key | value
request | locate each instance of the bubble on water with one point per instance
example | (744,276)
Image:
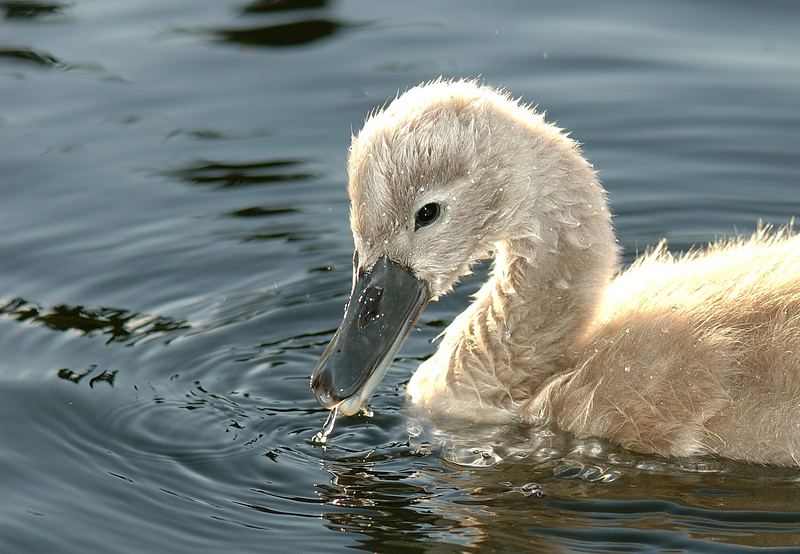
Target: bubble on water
(621,459)
(589,473)
(703,466)
(588,448)
(653,466)
(532,489)
(414,430)
(569,470)
(471,456)
(546,453)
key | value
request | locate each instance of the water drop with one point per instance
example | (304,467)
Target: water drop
(327,428)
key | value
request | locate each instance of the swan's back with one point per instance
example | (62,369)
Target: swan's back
(695,354)
(741,280)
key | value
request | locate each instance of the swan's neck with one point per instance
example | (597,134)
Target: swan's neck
(546,303)
(528,320)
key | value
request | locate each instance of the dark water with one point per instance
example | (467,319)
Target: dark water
(174,255)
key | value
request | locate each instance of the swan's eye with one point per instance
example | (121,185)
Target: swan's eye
(426,215)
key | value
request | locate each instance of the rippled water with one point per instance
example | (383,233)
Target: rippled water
(174,255)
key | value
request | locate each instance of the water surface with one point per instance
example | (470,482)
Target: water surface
(174,256)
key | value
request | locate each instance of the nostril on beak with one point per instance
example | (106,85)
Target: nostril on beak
(370,303)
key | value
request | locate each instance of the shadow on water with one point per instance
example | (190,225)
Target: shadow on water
(117,324)
(269,6)
(223,175)
(31,10)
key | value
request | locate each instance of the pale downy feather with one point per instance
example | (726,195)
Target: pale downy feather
(676,355)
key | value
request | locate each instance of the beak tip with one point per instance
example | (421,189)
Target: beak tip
(322,387)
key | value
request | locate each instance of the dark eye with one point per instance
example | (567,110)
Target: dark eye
(426,215)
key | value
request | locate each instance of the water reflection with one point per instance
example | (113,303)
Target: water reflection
(493,508)
(281,34)
(22,55)
(117,324)
(104,376)
(385,509)
(547,491)
(29,56)
(268,6)
(261,211)
(284,35)
(30,10)
(222,175)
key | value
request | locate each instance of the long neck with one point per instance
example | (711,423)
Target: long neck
(527,321)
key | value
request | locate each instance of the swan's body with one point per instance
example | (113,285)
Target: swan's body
(691,355)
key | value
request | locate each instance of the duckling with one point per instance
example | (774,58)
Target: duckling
(677,355)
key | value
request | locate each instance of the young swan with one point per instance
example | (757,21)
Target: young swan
(698,354)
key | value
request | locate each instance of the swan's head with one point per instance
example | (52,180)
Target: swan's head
(435,180)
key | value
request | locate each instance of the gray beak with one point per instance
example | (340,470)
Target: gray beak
(386,301)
